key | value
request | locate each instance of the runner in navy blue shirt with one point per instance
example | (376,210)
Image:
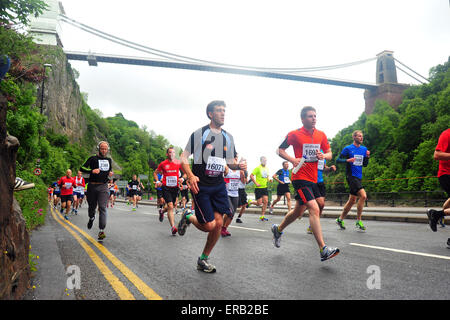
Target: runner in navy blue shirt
(284,181)
(356,156)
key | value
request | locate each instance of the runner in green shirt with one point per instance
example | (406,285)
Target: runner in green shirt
(260,177)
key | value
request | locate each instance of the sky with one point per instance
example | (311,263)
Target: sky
(282,34)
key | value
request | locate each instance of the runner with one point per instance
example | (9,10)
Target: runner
(116,191)
(66,184)
(139,192)
(56,194)
(50,194)
(260,177)
(99,168)
(159,195)
(133,185)
(232,179)
(306,142)
(184,191)
(442,154)
(243,203)
(78,192)
(356,156)
(212,148)
(321,168)
(112,192)
(170,169)
(284,182)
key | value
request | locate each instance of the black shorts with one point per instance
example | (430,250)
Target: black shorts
(67,198)
(159,193)
(242,197)
(260,192)
(133,193)
(354,184)
(322,189)
(170,194)
(282,189)
(444,181)
(185,194)
(305,191)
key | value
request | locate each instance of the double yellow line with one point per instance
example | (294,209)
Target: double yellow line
(117,285)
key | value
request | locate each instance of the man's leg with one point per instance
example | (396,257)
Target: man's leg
(102,198)
(314,221)
(288,200)
(351,201)
(361,201)
(92,201)
(292,215)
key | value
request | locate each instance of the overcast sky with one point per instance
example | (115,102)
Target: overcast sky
(260,111)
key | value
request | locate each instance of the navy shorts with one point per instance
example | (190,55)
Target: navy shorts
(210,199)
(305,191)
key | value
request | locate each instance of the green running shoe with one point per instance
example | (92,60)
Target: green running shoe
(359,225)
(340,223)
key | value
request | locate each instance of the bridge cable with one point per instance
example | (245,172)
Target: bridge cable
(412,70)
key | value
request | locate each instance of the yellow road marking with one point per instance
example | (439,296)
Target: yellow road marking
(118,286)
(148,292)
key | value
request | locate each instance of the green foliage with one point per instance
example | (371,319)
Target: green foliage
(401,142)
(18,11)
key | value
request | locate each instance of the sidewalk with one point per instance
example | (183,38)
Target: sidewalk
(395,214)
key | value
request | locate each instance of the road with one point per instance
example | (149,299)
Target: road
(140,259)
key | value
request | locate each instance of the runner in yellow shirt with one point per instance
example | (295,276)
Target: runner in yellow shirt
(260,177)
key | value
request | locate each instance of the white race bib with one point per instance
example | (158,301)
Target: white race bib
(321,164)
(287,180)
(233,185)
(103,165)
(68,185)
(309,151)
(134,187)
(358,160)
(215,166)
(171,181)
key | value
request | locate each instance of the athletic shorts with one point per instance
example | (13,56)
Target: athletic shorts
(133,193)
(185,194)
(111,193)
(159,193)
(76,194)
(242,197)
(233,202)
(67,198)
(170,194)
(305,191)
(354,184)
(210,199)
(282,189)
(57,193)
(322,189)
(444,181)
(260,192)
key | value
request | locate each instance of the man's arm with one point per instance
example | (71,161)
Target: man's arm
(440,155)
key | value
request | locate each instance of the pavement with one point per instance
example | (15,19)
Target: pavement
(49,281)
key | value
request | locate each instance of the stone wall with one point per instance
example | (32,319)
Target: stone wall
(14,238)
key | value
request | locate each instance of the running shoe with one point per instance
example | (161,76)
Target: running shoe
(340,223)
(161,215)
(224,232)
(359,225)
(328,253)
(238,220)
(101,235)
(442,222)
(205,266)
(174,230)
(134,209)
(22,185)
(66,217)
(249,203)
(276,235)
(309,230)
(89,225)
(184,222)
(432,219)
(262,218)
(448,243)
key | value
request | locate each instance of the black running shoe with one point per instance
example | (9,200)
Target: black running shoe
(184,222)
(432,219)
(90,223)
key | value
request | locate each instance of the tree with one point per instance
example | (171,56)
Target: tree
(18,11)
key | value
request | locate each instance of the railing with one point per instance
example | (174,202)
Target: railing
(393,199)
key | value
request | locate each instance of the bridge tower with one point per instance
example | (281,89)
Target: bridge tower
(388,88)
(46,29)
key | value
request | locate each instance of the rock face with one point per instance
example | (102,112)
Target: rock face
(14,238)
(62,101)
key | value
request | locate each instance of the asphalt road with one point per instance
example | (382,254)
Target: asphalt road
(143,260)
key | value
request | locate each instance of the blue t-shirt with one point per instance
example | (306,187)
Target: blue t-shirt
(283,175)
(320,167)
(159,175)
(359,153)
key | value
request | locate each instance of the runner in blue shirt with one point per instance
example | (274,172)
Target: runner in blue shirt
(284,181)
(355,156)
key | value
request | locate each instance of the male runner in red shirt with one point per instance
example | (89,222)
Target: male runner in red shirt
(66,184)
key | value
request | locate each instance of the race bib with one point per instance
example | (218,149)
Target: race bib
(103,165)
(68,185)
(264,174)
(358,160)
(215,166)
(134,187)
(233,185)
(287,180)
(171,181)
(321,164)
(309,151)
